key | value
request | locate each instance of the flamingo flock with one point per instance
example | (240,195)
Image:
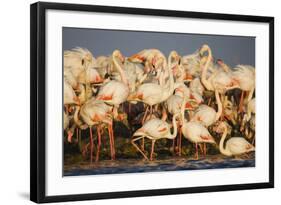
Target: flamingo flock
(201,99)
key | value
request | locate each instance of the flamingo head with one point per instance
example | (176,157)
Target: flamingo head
(117,53)
(204,49)
(221,126)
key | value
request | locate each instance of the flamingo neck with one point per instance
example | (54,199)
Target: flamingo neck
(219,112)
(204,80)
(183,109)
(221,147)
(175,129)
(120,70)
(169,91)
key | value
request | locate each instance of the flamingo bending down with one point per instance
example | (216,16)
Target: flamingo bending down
(154,129)
(235,145)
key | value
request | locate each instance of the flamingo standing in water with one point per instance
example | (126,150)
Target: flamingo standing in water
(235,145)
(152,94)
(154,129)
(96,113)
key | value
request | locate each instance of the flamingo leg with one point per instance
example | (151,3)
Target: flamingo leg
(129,108)
(91,144)
(77,134)
(145,114)
(99,143)
(151,111)
(152,150)
(201,148)
(196,150)
(110,141)
(204,149)
(142,144)
(180,138)
(113,144)
(173,146)
(241,102)
(136,146)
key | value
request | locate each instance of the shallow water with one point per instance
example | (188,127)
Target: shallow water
(171,164)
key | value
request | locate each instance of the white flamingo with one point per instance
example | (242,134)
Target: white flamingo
(245,76)
(69,96)
(154,129)
(195,132)
(152,94)
(96,113)
(77,60)
(115,92)
(235,145)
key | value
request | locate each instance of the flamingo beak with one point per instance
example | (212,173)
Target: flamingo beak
(188,105)
(136,58)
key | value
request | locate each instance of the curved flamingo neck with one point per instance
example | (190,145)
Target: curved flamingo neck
(221,147)
(205,82)
(175,130)
(169,91)
(120,70)
(219,112)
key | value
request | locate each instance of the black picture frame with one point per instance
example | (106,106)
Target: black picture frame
(38,100)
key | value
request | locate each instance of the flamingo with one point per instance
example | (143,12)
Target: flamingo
(206,114)
(174,104)
(95,113)
(152,94)
(77,60)
(195,132)
(196,86)
(115,92)
(191,65)
(153,59)
(69,95)
(245,75)
(235,145)
(219,80)
(154,129)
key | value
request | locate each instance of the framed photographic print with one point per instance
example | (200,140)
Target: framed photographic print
(129,102)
